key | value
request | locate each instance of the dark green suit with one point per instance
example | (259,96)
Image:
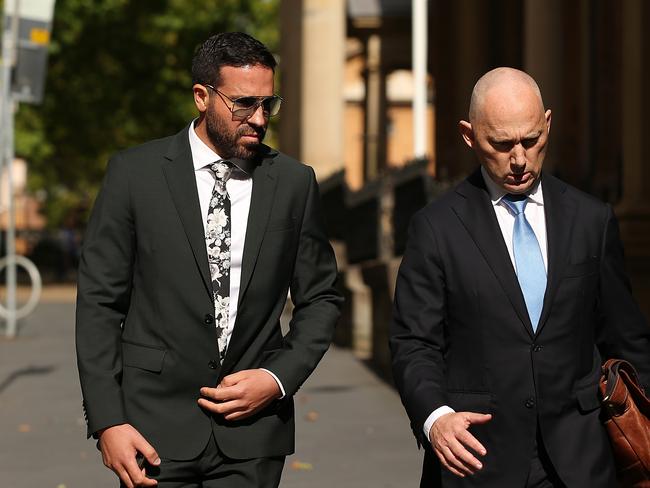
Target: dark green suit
(146,340)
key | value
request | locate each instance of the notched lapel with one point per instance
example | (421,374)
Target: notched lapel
(264,184)
(475,212)
(179,173)
(559,211)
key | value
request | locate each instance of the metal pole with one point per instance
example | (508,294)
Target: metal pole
(419,46)
(9,50)
(11,227)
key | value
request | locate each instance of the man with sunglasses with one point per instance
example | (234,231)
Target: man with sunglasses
(191,249)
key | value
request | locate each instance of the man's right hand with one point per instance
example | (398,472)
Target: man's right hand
(450,439)
(120,445)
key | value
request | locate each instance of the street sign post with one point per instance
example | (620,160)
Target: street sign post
(32,37)
(26,26)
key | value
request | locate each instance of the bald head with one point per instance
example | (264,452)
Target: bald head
(508,128)
(502,86)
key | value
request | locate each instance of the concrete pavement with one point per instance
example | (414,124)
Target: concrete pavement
(351,428)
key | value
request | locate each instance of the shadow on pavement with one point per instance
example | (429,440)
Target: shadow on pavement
(28,371)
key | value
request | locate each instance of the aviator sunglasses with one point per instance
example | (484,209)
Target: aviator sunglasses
(243,107)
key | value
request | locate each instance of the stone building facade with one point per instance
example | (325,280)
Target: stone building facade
(346,67)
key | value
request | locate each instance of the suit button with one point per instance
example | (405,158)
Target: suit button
(213,365)
(537,348)
(208,319)
(530,402)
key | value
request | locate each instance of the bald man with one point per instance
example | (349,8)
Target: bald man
(510,295)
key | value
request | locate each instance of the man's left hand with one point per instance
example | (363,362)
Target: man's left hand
(241,394)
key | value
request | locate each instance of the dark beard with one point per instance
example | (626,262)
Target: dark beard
(227,144)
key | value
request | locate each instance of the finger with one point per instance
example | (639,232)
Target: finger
(147,451)
(124,477)
(472,442)
(232,410)
(478,418)
(211,393)
(134,472)
(233,379)
(443,460)
(147,481)
(453,461)
(220,408)
(453,470)
(460,458)
(239,414)
(466,457)
(220,394)
(208,405)
(140,478)
(228,408)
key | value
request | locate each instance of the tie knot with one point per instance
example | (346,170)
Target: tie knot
(221,169)
(516,203)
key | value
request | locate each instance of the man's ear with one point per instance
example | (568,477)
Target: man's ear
(548,121)
(466,131)
(200,97)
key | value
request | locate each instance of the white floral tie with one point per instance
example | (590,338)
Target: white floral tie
(217,237)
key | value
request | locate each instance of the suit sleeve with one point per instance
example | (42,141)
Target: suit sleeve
(417,340)
(103,295)
(624,331)
(315,298)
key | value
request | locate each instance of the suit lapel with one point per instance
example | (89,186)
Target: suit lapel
(264,184)
(179,173)
(559,211)
(477,216)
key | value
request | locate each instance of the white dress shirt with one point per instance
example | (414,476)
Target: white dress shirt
(534,213)
(239,187)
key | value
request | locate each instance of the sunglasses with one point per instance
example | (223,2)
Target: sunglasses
(243,107)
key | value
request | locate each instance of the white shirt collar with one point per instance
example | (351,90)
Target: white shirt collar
(202,155)
(497,193)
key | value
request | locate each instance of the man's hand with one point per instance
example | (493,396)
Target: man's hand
(241,394)
(119,445)
(450,439)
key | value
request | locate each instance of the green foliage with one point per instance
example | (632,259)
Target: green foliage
(119,75)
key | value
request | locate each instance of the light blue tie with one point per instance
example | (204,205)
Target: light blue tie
(529,263)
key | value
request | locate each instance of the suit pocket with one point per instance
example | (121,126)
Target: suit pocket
(585,389)
(278,225)
(587,397)
(583,268)
(470,401)
(143,357)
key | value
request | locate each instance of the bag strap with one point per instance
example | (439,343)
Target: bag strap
(615,370)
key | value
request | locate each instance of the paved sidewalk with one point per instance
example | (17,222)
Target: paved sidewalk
(351,428)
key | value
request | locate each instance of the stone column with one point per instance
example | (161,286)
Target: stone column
(542,61)
(633,210)
(636,171)
(291,77)
(468,27)
(375,109)
(312,67)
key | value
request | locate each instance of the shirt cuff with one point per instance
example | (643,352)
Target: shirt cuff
(435,415)
(277,380)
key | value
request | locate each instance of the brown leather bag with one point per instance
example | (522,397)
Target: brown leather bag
(626,410)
